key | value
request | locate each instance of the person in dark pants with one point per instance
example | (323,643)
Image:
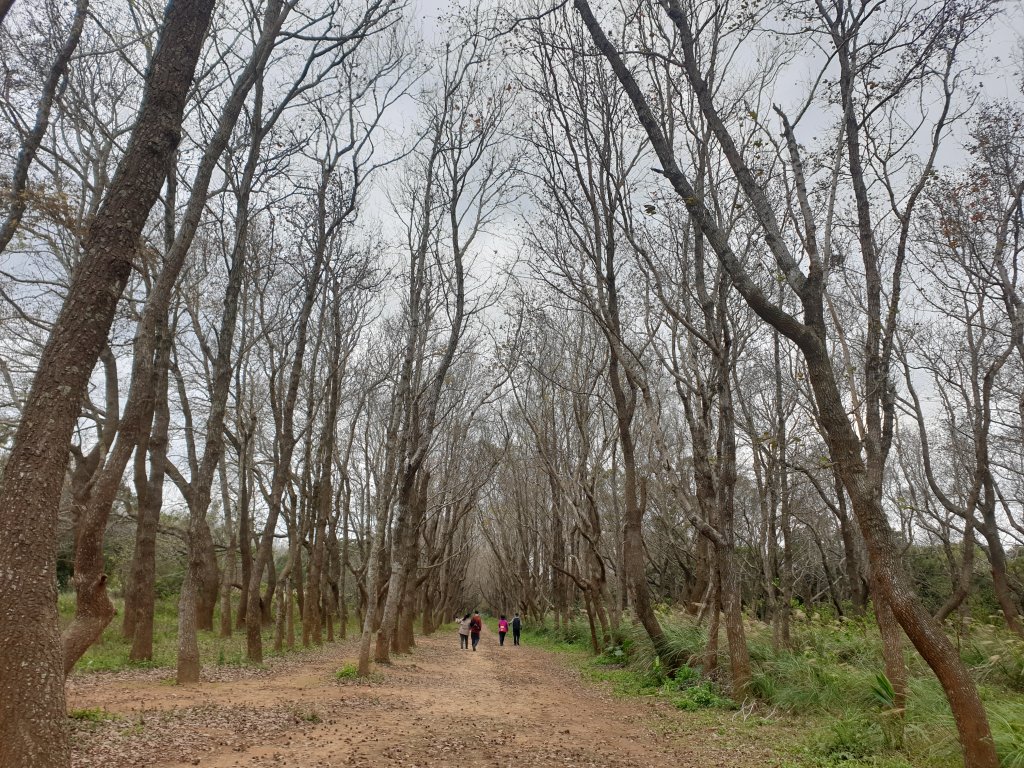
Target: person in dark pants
(502,629)
(517,627)
(475,625)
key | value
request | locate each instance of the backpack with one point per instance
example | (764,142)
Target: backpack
(516,623)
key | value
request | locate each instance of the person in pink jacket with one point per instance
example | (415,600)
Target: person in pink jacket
(502,629)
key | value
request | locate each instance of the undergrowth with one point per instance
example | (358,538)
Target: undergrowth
(829,681)
(111,652)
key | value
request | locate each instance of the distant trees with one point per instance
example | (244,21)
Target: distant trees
(456,185)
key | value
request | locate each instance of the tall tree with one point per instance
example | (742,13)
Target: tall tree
(860,458)
(33,727)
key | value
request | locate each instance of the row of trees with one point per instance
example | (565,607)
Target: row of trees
(380,333)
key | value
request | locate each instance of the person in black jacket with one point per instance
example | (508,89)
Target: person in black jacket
(517,627)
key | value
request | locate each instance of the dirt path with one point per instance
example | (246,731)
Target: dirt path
(499,707)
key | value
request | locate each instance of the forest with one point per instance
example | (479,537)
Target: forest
(692,331)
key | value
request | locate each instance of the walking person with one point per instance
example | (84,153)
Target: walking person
(464,633)
(475,625)
(502,629)
(517,627)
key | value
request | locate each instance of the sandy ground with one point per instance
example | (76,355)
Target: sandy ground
(500,706)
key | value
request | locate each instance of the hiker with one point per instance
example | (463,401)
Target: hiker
(502,629)
(475,625)
(464,633)
(517,627)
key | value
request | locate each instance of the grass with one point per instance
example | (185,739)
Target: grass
(347,672)
(573,640)
(111,652)
(92,715)
(823,702)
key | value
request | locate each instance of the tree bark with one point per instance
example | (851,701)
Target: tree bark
(245,481)
(150,491)
(209,582)
(892,654)
(33,726)
(189,665)
(230,556)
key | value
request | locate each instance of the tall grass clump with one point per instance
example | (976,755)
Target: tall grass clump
(801,683)
(1008,731)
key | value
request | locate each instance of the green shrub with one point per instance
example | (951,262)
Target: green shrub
(347,672)
(701,696)
(92,715)
(849,739)
(803,684)
(613,656)
(684,677)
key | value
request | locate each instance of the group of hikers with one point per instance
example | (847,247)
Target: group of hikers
(471,624)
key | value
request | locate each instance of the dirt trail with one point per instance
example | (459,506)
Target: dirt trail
(499,706)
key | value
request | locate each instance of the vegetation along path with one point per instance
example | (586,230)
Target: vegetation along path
(499,706)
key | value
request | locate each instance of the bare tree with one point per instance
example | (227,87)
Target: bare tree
(33,717)
(860,458)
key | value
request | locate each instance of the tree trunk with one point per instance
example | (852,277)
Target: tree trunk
(209,584)
(963,578)
(893,584)
(343,567)
(228,582)
(283,595)
(188,646)
(739,654)
(289,604)
(33,725)
(244,525)
(373,570)
(405,639)
(396,585)
(93,609)
(714,605)
(634,558)
(312,617)
(997,559)
(150,503)
(858,588)
(892,654)
(412,505)
(149,490)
